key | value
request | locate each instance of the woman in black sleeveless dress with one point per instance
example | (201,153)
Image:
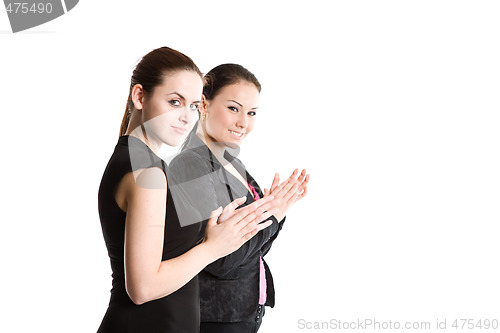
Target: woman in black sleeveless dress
(155,257)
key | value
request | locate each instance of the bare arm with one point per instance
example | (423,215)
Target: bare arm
(147,277)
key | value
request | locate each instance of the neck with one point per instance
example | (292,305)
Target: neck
(140,133)
(215,147)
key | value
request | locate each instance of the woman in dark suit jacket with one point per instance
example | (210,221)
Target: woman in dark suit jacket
(207,174)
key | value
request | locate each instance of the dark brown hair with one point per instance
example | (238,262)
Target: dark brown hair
(225,75)
(150,72)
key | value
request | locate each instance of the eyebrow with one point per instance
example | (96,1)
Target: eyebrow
(232,100)
(181,97)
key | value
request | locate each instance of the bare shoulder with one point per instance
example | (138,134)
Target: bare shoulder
(138,183)
(150,179)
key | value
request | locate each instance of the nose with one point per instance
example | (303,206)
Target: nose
(185,115)
(242,120)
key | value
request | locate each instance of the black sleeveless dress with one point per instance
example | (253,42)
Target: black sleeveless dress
(177,312)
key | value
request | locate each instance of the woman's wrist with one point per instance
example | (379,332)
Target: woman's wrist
(280,215)
(208,251)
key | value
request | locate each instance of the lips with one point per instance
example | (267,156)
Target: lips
(180,130)
(236,134)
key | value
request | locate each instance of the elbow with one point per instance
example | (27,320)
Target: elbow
(138,295)
(137,299)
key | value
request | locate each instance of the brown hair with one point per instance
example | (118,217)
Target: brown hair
(150,72)
(225,75)
(221,76)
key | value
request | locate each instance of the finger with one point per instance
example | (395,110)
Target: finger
(304,183)
(272,205)
(264,225)
(252,220)
(302,176)
(281,186)
(303,194)
(276,181)
(214,215)
(292,191)
(274,210)
(255,230)
(260,202)
(264,217)
(266,192)
(236,203)
(288,187)
(248,236)
(250,209)
(256,224)
(289,182)
(230,209)
(279,190)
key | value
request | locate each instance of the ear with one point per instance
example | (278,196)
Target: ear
(203,106)
(138,96)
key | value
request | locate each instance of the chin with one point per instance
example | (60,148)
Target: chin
(173,141)
(233,145)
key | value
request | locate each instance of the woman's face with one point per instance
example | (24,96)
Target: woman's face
(230,115)
(170,112)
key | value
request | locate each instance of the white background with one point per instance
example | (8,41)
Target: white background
(392,106)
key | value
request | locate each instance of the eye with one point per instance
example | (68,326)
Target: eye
(175,102)
(194,107)
(232,108)
(252,113)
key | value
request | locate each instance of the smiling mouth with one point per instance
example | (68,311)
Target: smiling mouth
(238,134)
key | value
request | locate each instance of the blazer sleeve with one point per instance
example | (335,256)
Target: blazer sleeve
(266,247)
(226,267)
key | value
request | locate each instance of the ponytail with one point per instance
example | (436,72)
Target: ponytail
(126,115)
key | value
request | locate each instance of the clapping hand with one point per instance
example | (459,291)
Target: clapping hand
(288,192)
(230,228)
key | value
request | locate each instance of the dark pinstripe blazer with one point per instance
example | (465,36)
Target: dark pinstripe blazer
(229,287)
